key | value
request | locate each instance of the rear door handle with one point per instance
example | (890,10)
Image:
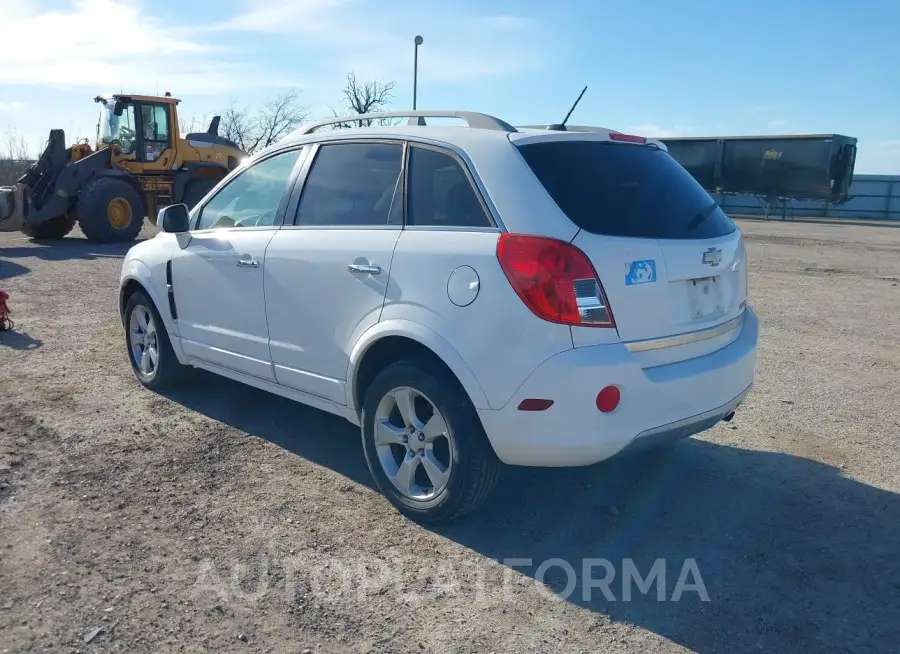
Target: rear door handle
(248,263)
(364,269)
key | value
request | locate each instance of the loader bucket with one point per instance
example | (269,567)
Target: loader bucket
(12,206)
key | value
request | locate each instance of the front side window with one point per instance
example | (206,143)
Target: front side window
(353,184)
(440,194)
(155,129)
(155,120)
(251,199)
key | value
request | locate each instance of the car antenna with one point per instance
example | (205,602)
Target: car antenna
(561,127)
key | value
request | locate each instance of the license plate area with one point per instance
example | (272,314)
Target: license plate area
(705,297)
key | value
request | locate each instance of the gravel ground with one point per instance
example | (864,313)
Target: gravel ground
(221,519)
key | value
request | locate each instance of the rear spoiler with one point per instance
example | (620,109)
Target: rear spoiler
(589,129)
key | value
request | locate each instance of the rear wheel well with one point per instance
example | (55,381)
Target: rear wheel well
(388,350)
(216,173)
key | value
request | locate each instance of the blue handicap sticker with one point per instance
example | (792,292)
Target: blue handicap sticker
(640,272)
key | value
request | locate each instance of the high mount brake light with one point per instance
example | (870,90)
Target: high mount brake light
(627,138)
(555,280)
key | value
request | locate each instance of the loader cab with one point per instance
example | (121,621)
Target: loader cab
(143,127)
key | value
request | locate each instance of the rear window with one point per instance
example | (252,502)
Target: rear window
(620,189)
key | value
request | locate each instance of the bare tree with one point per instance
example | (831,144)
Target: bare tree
(14,146)
(364,98)
(14,156)
(192,124)
(255,130)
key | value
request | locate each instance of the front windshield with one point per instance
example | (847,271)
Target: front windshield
(109,123)
(117,128)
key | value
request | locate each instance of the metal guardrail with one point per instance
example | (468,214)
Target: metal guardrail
(872,197)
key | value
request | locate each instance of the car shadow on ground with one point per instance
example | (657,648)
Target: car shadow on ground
(65,249)
(792,554)
(10,269)
(315,435)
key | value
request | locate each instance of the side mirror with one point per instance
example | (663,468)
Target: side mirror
(174,219)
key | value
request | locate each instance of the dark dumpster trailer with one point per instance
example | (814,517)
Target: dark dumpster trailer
(802,167)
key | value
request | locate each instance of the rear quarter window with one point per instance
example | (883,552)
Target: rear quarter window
(622,189)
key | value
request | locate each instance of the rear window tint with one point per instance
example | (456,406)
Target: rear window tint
(620,189)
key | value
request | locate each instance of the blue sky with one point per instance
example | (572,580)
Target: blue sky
(657,67)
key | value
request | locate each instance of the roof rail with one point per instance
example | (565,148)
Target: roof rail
(417,117)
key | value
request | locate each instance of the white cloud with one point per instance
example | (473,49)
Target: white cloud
(297,16)
(75,49)
(90,47)
(457,47)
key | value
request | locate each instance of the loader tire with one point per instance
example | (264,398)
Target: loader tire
(110,210)
(196,189)
(50,229)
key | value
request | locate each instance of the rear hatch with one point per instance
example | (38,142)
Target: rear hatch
(670,260)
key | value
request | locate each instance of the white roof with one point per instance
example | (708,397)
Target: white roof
(476,130)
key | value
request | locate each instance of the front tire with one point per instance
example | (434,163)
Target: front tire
(150,352)
(55,228)
(196,189)
(424,444)
(110,210)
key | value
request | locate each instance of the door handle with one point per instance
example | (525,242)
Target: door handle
(248,263)
(364,269)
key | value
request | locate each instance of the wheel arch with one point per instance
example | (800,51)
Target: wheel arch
(395,340)
(137,276)
(129,287)
(196,170)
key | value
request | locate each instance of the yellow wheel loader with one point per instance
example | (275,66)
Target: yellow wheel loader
(138,165)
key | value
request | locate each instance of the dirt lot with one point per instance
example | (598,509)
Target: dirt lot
(223,519)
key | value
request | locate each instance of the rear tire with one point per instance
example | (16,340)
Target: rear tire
(446,481)
(54,228)
(196,189)
(110,210)
(147,344)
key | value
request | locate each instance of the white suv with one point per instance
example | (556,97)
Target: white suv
(467,295)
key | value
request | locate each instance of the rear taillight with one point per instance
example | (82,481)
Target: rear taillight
(627,138)
(740,265)
(555,280)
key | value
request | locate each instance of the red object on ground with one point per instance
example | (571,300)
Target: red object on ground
(6,322)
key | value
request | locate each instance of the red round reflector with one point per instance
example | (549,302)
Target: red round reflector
(608,399)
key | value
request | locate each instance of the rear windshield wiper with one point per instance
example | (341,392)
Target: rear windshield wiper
(702,215)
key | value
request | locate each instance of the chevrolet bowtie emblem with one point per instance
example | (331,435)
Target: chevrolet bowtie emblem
(713,257)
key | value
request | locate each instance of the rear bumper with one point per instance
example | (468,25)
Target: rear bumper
(658,404)
(683,428)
